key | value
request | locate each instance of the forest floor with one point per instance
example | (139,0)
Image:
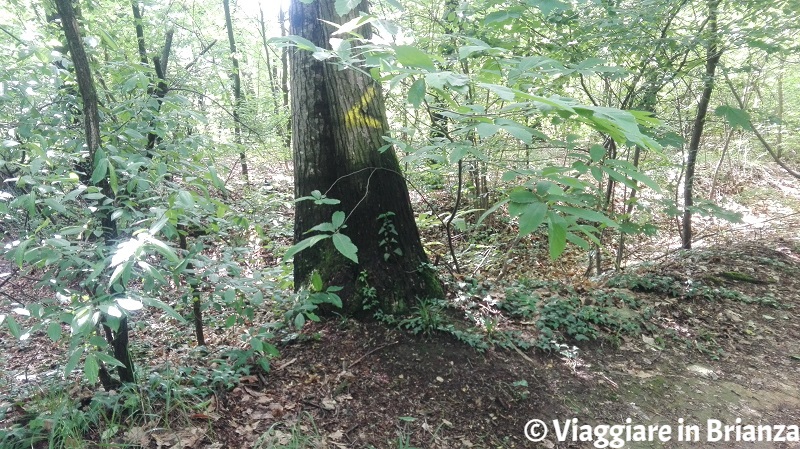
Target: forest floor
(362,385)
(716,338)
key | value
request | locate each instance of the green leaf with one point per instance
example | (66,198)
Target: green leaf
(153,302)
(185,199)
(299,321)
(164,249)
(557,235)
(411,56)
(108,360)
(13,327)
(54,330)
(586,214)
(490,211)
(505,93)
(337,219)
(323,227)
(532,216)
(523,195)
(548,7)
(343,7)
(91,368)
(100,170)
(316,281)
(300,42)
(577,241)
(74,358)
(303,244)
(345,246)
(597,152)
(486,130)
(352,24)
(735,117)
(416,95)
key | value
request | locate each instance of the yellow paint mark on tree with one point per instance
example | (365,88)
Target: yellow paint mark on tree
(357,116)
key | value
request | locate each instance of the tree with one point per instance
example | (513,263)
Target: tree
(713,55)
(237,88)
(338,124)
(117,337)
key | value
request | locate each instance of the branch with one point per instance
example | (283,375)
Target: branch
(775,156)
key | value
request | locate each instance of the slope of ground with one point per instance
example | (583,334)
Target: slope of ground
(721,342)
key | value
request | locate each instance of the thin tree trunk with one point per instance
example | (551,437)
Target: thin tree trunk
(91,117)
(713,55)
(285,75)
(237,90)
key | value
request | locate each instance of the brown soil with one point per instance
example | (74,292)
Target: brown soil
(360,385)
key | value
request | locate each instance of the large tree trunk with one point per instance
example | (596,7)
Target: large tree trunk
(713,55)
(338,124)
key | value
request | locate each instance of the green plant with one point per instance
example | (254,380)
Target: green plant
(427,317)
(568,318)
(304,434)
(328,230)
(307,301)
(388,237)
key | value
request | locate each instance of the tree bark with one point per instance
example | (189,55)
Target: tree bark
(237,89)
(338,124)
(91,118)
(713,55)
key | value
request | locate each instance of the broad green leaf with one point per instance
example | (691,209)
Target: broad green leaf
(532,216)
(416,95)
(52,203)
(303,244)
(299,321)
(597,173)
(100,170)
(352,24)
(735,117)
(585,214)
(548,7)
(577,241)
(411,56)
(13,327)
(73,360)
(54,330)
(337,219)
(164,249)
(490,211)
(597,152)
(153,302)
(299,42)
(323,227)
(129,304)
(486,130)
(503,92)
(108,360)
(185,200)
(316,281)
(627,169)
(91,368)
(345,246)
(519,133)
(557,234)
(343,7)
(522,195)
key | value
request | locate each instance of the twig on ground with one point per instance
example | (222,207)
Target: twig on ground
(369,353)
